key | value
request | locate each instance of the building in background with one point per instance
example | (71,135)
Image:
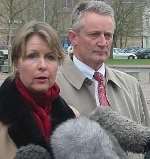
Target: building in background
(146,27)
(58,14)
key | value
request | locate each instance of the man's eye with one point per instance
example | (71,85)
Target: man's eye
(94,35)
(108,35)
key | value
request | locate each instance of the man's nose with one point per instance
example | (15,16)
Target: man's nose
(101,41)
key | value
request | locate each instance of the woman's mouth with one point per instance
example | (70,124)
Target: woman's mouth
(41,79)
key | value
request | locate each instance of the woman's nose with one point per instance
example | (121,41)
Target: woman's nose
(42,63)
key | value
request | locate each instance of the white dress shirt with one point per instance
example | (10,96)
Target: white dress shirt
(89,72)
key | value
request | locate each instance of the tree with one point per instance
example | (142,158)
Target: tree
(9,17)
(127,15)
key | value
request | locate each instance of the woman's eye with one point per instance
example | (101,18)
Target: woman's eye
(32,56)
(51,57)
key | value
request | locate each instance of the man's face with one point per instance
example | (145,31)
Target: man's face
(92,44)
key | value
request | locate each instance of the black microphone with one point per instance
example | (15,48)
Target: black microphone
(32,152)
(82,138)
(131,136)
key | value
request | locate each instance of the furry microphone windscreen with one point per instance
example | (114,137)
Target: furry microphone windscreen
(32,152)
(132,137)
(82,138)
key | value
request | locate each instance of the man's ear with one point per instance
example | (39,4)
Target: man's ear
(73,37)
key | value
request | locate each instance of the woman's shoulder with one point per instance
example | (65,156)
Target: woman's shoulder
(8,87)
(7,82)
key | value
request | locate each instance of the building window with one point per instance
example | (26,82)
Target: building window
(68,3)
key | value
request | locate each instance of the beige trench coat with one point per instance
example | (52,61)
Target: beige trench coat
(123,91)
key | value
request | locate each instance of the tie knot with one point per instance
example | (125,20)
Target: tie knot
(98,77)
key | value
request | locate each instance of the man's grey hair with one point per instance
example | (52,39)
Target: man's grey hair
(98,7)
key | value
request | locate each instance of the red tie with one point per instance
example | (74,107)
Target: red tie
(101,89)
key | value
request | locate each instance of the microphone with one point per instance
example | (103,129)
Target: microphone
(32,152)
(131,136)
(82,138)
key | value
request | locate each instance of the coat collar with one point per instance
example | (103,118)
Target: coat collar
(77,79)
(72,73)
(112,76)
(23,129)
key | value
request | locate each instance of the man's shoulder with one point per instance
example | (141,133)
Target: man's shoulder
(120,74)
(121,78)
(67,66)
(69,73)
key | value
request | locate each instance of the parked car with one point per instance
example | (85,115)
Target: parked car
(143,53)
(118,54)
(5,53)
(1,58)
(130,50)
(69,50)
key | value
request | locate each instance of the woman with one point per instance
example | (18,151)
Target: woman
(30,105)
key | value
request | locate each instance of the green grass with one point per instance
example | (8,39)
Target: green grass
(128,62)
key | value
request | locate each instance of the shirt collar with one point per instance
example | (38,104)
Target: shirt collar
(86,70)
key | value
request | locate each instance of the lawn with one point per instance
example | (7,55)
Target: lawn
(128,62)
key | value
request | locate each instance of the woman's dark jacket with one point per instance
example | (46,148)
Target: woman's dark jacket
(19,117)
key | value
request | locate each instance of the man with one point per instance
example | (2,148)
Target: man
(91,37)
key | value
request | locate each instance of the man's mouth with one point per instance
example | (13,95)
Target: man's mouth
(101,52)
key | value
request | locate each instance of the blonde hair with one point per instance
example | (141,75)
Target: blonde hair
(40,28)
